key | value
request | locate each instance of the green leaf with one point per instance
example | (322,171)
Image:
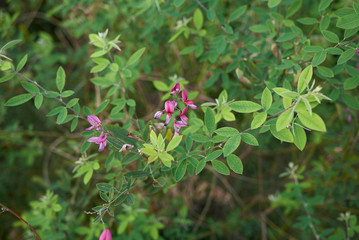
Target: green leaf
(180,171)
(258,28)
(72,102)
(300,138)
(237,13)
(245,106)
(294,7)
(351,83)
(334,51)
(227,131)
(7,77)
(166,159)
(60,79)
(258,120)
(67,93)
(319,58)
(153,138)
(62,115)
(284,120)
(101,107)
(349,21)
(198,18)
(231,145)
(200,166)
(18,100)
(9,45)
(211,15)
(105,187)
(200,138)
(174,143)
(345,56)
(305,78)
(149,151)
(30,87)
(324,24)
(88,176)
(235,164)
(325,72)
(21,63)
(324,4)
(285,92)
(74,124)
(287,36)
(209,120)
(161,86)
(38,100)
(307,21)
(214,155)
(313,49)
(273,3)
(266,99)
(134,57)
(350,101)
(220,167)
(249,139)
(283,135)
(313,121)
(98,68)
(330,36)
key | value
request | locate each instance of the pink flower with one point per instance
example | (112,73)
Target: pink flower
(178,124)
(95,122)
(187,102)
(106,235)
(101,141)
(176,88)
(183,117)
(357,51)
(169,108)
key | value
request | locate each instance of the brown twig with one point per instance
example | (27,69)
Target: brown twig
(13,213)
(343,45)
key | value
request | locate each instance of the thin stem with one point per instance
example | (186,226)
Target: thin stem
(305,205)
(46,92)
(348,228)
(343,45)
(13,213)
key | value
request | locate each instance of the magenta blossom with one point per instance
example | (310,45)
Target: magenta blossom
(187,102)
(106,235)
(183,117)
(169,108)
(101,141)
(95,122)
(357,51)
(178,124)
(176,88)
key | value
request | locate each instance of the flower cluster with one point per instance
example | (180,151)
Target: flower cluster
(96,124)
(171,106)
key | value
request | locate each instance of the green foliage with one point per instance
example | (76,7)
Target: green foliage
(259,70)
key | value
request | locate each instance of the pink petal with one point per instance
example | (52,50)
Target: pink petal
(193,106)
(169,107)
(102,146)
(176,88)
(106,235)
(184,95)
(168,118)
(96,140)
(93,120)
(90,128)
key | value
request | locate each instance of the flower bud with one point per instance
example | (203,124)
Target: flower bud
(158,115)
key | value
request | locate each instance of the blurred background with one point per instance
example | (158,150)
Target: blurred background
(37,156)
